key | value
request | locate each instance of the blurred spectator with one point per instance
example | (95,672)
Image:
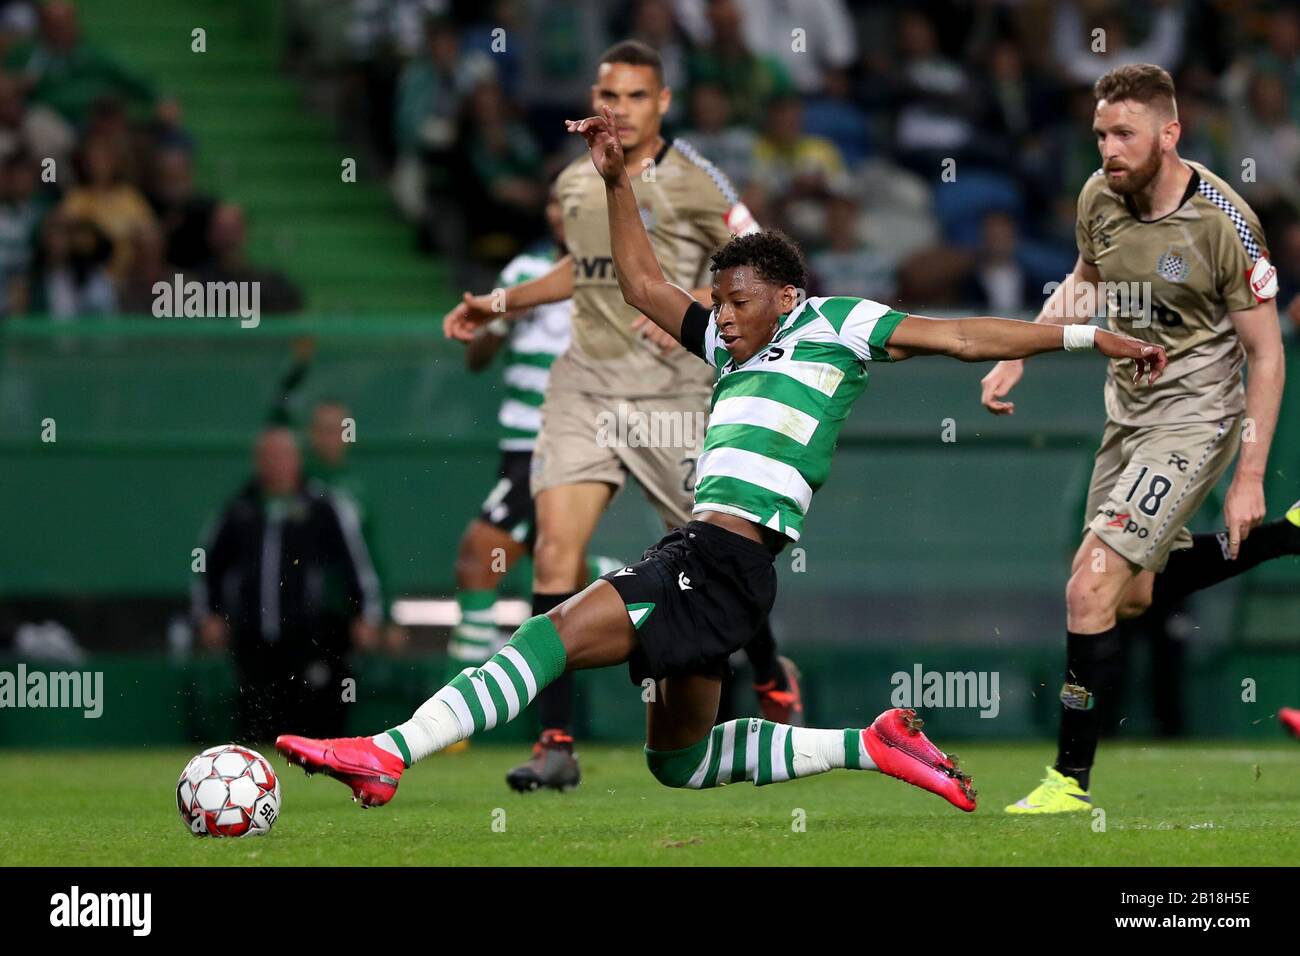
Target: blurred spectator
(811,39)
(289,586)
(184,214)
(936,104)
(431,92)
(500,177)
(847,266)
(61,70)
(1286,256)
(329,448)
(728,145)
(499,33)
(1206,133)
(74,256)
(20,215)
(750,80)
(998,282)
(36,130)
(1265,133)
(104,197)
(148,267)
(653,24)
(793,170)
(561,41)
(227,238)
(1084,49)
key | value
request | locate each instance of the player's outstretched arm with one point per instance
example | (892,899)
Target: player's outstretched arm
(981,339)
(1061,308)
(639,276)
(473,311)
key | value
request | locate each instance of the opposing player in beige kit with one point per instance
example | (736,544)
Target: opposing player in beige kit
(611,375)
(1150,219)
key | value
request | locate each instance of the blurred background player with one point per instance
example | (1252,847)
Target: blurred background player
(1148,216)
(620,368)
(289,586)
(505,529)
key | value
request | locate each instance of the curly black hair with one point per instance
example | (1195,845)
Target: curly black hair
(773,255)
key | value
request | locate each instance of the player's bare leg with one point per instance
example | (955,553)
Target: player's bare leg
(684,749)
(566,518)
(591,629)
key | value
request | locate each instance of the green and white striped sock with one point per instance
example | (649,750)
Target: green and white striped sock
(473,639)
(479,700)
(758,750)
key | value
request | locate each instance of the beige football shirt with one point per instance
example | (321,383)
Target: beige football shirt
(1205,259)
(689,209)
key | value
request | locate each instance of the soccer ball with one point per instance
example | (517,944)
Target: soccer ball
(228,791)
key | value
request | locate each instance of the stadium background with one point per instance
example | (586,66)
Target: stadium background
(948,554)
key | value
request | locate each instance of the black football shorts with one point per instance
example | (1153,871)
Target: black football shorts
(697,596)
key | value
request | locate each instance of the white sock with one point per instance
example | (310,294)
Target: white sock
(816,751)
(431,728)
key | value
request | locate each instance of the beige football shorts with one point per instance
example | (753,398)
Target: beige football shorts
(602,438)
(1148,481)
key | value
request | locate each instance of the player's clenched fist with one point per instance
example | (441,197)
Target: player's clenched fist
(601,134)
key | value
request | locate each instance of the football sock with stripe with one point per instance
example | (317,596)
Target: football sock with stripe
(1093,671)
(1206,562)
(758,750)
(495,693)
(555,703)
(472,640)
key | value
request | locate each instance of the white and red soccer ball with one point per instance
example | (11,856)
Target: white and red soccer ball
(228,791)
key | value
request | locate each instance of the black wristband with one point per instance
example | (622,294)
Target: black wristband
(694,323)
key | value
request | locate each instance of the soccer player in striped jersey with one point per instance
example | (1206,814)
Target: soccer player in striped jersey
(787,373)
(621,369)
(1149,217)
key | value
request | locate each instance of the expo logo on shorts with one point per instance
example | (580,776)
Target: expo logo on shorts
(1123,521)
(629,427)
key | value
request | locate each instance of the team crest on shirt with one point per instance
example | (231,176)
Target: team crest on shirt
(1172,267)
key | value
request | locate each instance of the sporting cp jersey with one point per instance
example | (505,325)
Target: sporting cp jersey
(689,209)
(535,340)
(775,419)
(1202,261)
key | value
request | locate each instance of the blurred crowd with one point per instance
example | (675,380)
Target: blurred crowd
(930,151)
(97,194)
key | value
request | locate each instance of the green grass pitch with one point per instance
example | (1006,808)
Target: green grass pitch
(1185,804)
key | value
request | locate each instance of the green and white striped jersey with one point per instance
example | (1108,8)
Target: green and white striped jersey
(775,420)
(535,342)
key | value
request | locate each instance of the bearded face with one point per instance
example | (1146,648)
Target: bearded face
(1129,138)
(1127,180)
